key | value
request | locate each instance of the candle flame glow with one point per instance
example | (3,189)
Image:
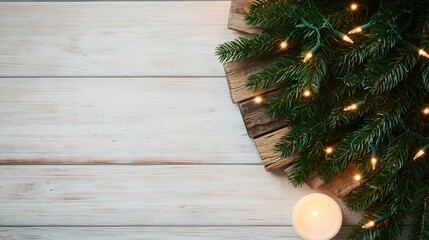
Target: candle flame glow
(315,213)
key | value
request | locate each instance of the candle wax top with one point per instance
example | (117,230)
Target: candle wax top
(317,217)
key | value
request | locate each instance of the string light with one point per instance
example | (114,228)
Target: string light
(423,53)
(354,106)
(329,150)
(283,45)
(426,111)
(361,28)
(315,213)
(420,153)
(354,6)
(351,107)
(347,39)
(356,30)
(369,224)
(310,54)
(374,162)
(357,177)
(306,93)
(257,99)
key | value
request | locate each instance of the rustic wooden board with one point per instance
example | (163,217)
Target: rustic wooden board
(155,233)
(260,125)
(237,74)
(238,10)
(256,120)
(165,195)
(269,157)
(121,121)
(344,183)
(148,38)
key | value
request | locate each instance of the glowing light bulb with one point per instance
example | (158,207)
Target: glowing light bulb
(357,177)
(329,150)
(308,56)
(423,53)
(354,106)
(356,30)
(315,213)
(347,39)
(373,162)
(283,45)
(426,111)
(369,224)
(354,6)
(419,154)
(307,93)
(257,99)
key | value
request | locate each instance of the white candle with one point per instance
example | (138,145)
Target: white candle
(317,217)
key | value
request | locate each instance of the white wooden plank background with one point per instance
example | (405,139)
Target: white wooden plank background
(129,103)
(121,120)
(113,38)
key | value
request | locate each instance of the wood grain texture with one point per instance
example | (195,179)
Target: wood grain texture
(344,183)
(121,120)
(270,158)
(239,8)
(237,74)
(152,38)
(146,195)
(256,120)
(155,233)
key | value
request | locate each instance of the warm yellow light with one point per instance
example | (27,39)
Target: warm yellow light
(426,111)
(419,154)
(423,53)
(351,107)
(357,177)
(369,224)
(356,30)
(347,39)
(315,213)
(308,56)
(307,93)
(373,162)
(354,6)
(257,99)
(329,150)
(283,45)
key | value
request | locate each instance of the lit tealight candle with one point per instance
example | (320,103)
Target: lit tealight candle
(317,217)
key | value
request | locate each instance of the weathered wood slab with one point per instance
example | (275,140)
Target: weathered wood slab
(163,195)
(340,185)
(115,121)
(271,158)
(259,125)
(156,233)
(93,38)
(256,120)
(237,74)
(344,183)
(239,8)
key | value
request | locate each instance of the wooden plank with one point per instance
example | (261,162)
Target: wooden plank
(256,120)
(344,183)
(340,185)
(155,233)
(153,38)
(270,158)
(237,74)
(76,195)
(239,8)
(120,121)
